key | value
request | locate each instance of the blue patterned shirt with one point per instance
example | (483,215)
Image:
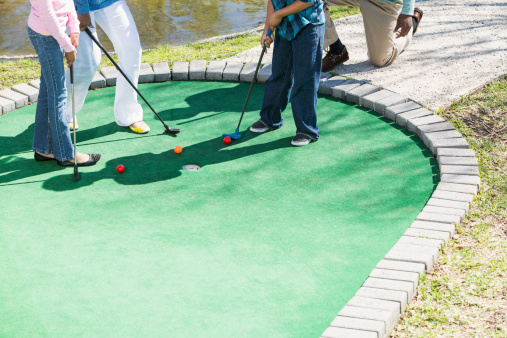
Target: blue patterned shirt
(291,25)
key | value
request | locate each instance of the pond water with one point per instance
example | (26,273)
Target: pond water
(159,21)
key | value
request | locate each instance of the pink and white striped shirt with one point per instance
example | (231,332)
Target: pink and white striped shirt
(51,17)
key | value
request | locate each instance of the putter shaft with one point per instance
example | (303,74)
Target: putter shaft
(167,129)
(236,134)
(251,85)
(76,172)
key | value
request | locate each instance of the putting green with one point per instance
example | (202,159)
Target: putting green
(266,240)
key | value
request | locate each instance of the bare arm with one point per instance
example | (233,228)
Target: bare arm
(273,18)
(264,39)
(295,7)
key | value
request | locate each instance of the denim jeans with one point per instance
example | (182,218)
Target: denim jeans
(296,66)
(51,132)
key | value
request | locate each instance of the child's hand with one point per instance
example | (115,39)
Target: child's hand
(71,57)
(74,39)
(266,40)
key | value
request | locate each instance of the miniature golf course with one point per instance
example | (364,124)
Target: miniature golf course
(265,240)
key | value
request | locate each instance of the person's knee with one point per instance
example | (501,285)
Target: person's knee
(378,63)
(381,60)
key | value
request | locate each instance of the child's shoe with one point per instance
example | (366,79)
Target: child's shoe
(301,140)
(259,127)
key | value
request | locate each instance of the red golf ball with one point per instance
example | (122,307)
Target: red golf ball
(120,168)
(227,140)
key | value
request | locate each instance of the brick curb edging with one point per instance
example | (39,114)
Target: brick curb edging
(379,303)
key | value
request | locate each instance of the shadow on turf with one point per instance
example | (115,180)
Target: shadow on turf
(14,167)
(149,168)
(230,99)
(21,143)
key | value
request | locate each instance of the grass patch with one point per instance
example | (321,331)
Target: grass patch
(210,51)
(465,295)
(16,72)
(24,70)
(340,12)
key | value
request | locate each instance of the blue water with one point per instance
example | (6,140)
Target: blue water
(158,21)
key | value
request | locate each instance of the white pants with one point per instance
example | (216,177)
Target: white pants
(379,19)
(118,24)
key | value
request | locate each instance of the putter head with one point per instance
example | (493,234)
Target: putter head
(172,131)
(76,174)
(234,136)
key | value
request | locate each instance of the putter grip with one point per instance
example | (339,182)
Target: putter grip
(72,74)
(267,34)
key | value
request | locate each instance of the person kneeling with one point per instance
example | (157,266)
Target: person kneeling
(388,26)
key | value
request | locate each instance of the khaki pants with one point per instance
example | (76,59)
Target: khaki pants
(379,19)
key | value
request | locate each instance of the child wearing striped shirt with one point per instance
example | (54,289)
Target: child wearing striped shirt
(297,62)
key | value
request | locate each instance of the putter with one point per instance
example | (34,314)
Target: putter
(236,135)
(167,129)
(76,173)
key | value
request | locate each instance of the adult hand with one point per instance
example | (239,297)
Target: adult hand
(84,21)
(403,25)
(71,57)
(74,39)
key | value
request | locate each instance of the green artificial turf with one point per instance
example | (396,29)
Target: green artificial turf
(266,240)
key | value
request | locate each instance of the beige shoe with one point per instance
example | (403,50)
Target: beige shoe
(139,127)
(71,126)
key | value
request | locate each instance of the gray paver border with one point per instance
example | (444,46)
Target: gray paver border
(392,283)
